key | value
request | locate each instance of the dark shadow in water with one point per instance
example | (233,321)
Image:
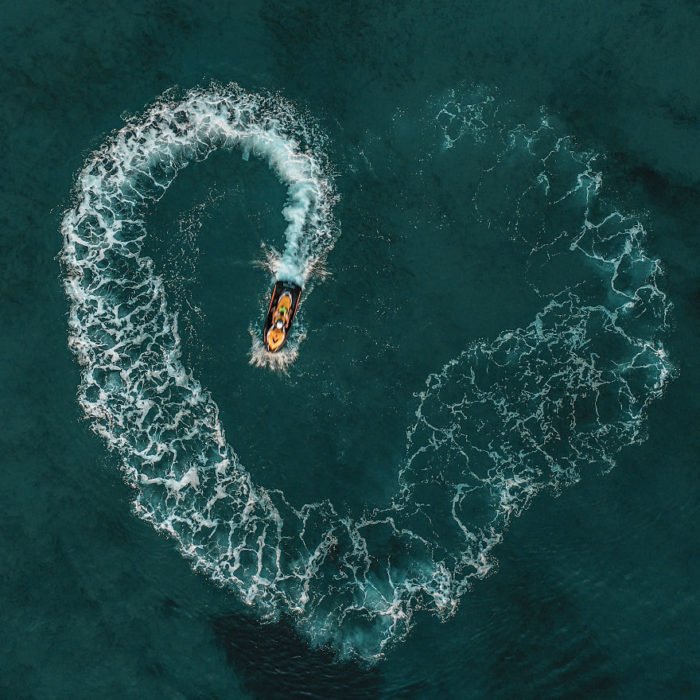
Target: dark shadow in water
(545,659)
(666,189)
(545,643)
(277,663)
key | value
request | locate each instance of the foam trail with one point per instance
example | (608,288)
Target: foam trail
(502,421)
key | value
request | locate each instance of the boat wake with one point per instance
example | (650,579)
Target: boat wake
(279,360)
(506,418)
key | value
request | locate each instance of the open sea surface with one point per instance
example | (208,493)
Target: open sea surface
(472,471)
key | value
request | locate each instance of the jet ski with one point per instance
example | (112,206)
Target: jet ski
(280,314)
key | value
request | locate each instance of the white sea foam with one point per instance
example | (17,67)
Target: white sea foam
(505,419)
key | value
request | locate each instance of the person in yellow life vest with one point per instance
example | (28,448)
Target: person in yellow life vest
(280,319)
(276,335)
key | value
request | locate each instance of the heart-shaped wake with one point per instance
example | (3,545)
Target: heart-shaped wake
(499,423)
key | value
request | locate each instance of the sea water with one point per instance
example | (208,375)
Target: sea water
(489,321)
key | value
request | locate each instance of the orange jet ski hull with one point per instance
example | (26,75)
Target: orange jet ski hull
(280,314)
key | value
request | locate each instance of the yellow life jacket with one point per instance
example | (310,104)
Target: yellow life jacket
(275,338)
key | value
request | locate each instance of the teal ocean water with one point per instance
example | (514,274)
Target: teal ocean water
(472,470)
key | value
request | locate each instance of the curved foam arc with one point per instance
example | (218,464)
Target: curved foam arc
(499,423)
